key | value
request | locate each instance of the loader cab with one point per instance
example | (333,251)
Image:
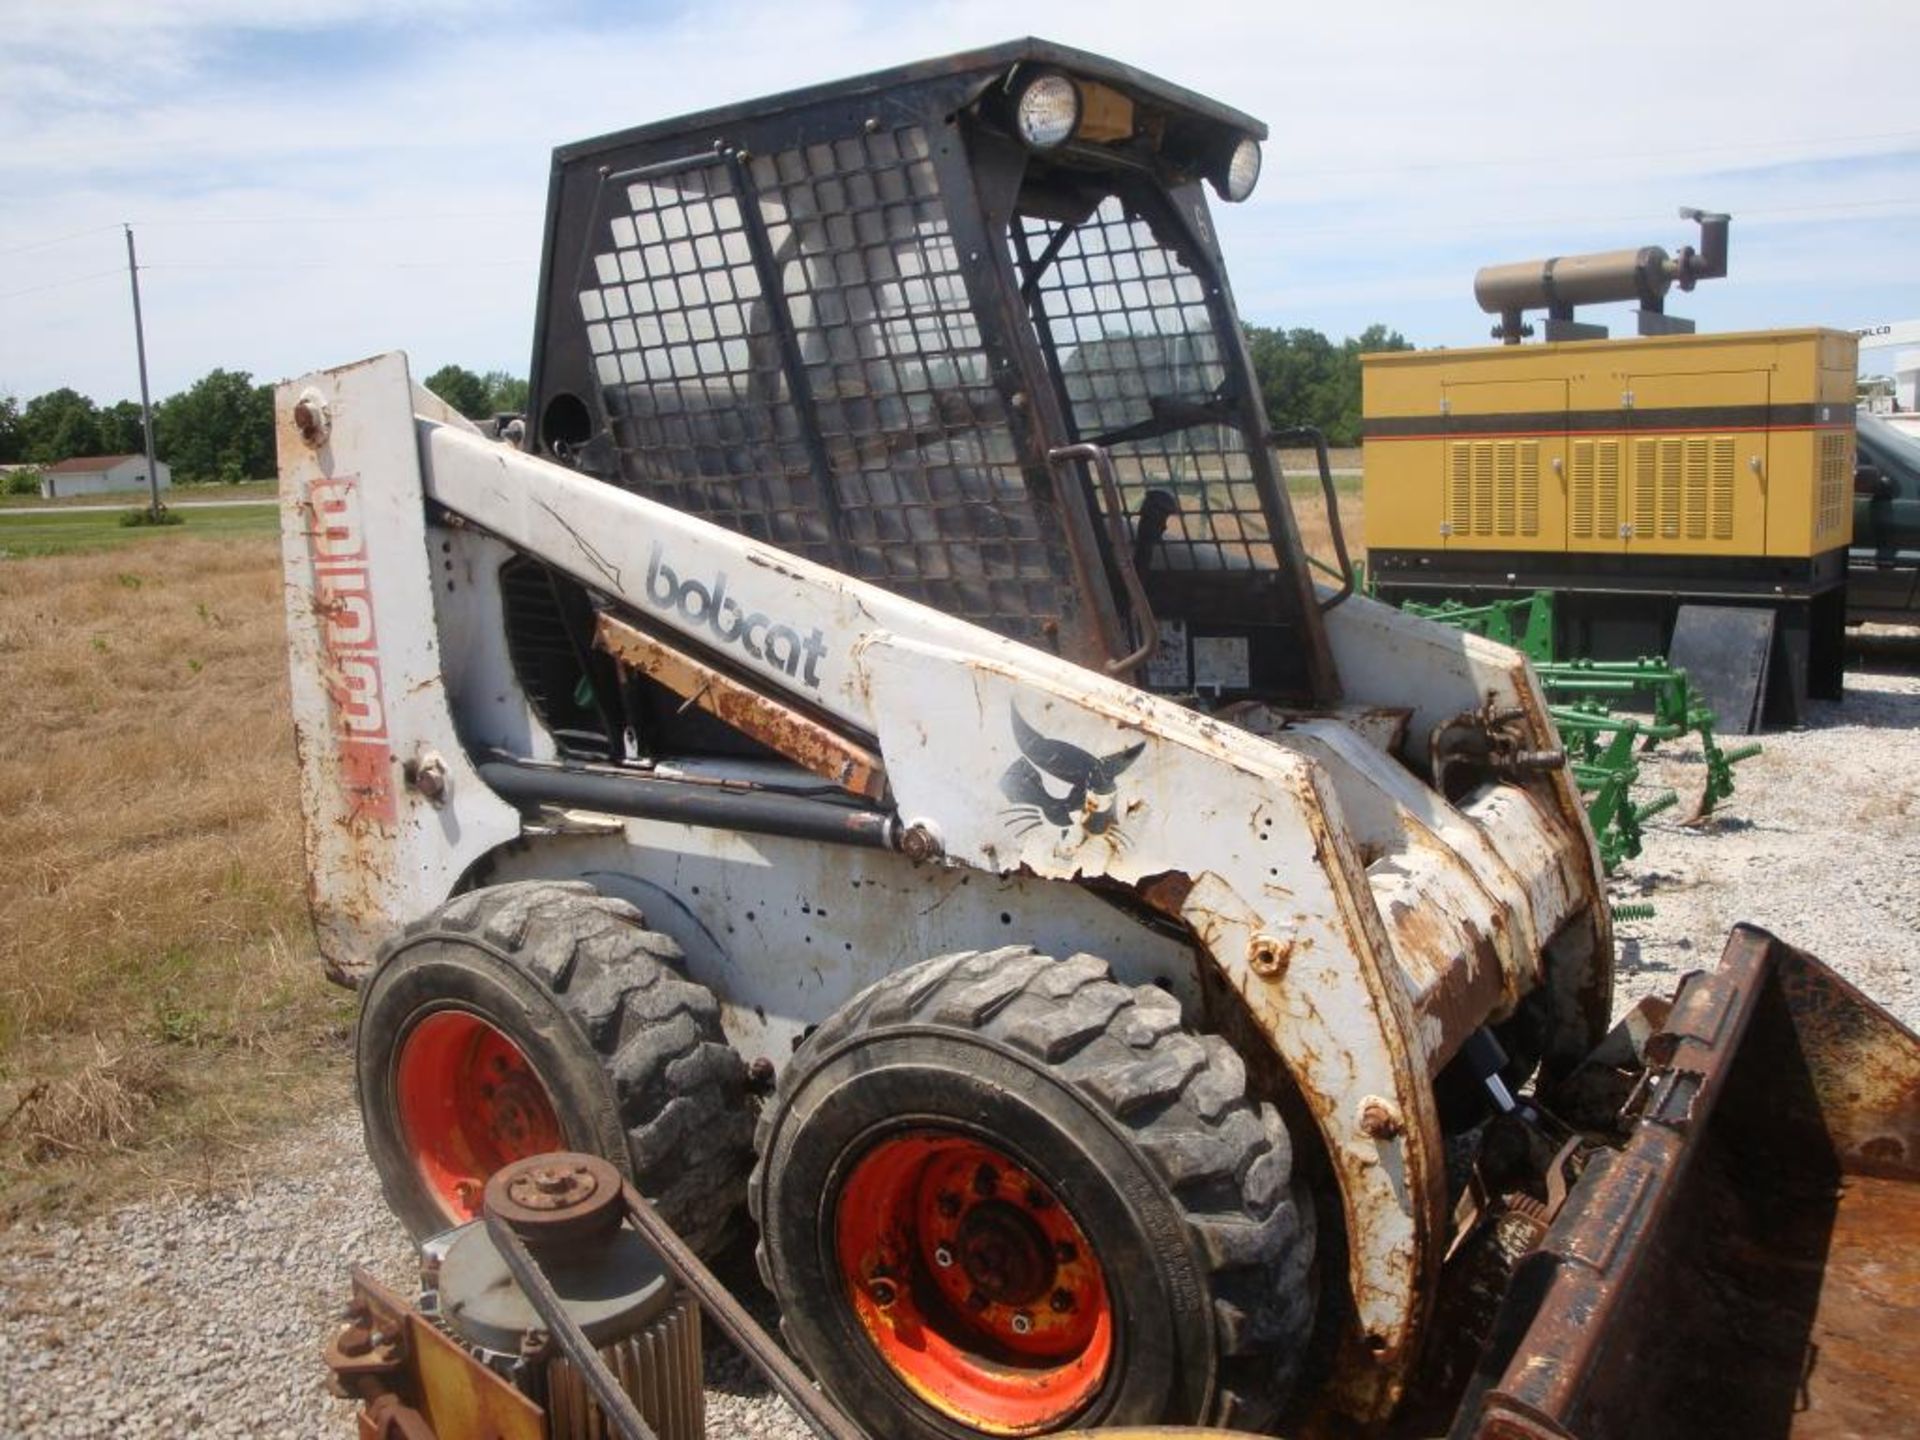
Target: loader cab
(863,322)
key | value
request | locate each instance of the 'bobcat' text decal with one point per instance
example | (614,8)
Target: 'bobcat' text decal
(762,637)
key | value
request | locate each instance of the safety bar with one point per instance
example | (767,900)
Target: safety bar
(1310,435)
(1149,628)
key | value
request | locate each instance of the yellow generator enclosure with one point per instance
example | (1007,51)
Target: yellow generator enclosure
(1722,445)
(1627,475)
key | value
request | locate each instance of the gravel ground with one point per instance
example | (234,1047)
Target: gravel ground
(205,1316)
(1820,844)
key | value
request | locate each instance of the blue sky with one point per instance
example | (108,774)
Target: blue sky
(313,183)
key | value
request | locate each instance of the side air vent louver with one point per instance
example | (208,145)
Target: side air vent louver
(1494,488)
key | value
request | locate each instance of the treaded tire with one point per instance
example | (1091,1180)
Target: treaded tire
(628,1049)
(1142,1128)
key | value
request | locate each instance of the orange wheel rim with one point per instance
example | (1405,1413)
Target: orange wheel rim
(974,1282)
(469,1102)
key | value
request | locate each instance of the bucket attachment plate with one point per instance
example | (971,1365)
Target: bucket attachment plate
(1749,1264)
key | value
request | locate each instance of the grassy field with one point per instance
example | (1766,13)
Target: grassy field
(30,535)
(160,1009)
(175,495)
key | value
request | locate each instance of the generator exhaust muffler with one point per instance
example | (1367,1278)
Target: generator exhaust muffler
(1563,282)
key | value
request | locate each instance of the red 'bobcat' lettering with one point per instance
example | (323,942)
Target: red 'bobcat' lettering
(343,599)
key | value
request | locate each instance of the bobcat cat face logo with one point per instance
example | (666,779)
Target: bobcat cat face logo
(1054,783)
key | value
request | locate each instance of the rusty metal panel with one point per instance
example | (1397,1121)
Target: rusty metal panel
(1278,899)
(809,744)
(462,1398)
(1387,657)
(1865,1068)
(1749,1263)
(412,1380)
(369,707)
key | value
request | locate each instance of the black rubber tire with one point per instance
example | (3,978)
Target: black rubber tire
(1182,1185)
(629,1049)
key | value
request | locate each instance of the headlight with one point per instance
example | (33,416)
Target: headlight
(1048,111)
(1242,172)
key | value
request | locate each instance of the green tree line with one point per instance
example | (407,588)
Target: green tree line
(1307,379)
(219,429)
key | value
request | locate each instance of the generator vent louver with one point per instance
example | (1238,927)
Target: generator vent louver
(1833,501)
(785,346)
(1721,499)
(1681,487)
(1594,498)
(1493,488)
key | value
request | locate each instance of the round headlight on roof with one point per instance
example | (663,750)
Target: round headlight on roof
(1048,111)
(1242,172)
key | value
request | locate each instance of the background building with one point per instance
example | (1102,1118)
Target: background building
(98,475)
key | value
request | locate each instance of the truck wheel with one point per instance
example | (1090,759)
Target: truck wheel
(541,1016)
(1002,1193)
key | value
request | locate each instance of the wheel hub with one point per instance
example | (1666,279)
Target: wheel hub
(470,1102)
(1005,1254)
(975,1285)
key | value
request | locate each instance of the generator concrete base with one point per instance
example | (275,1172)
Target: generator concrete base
(1609,607)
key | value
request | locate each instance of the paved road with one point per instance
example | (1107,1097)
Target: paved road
(132,505)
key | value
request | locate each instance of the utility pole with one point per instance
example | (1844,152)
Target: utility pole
(146,403)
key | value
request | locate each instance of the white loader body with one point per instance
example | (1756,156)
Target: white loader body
(1302,873)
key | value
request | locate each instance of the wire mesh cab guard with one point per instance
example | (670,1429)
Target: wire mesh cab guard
(856,321)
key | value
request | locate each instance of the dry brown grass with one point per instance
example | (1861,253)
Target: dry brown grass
(1310,511)
(158,996)
(104,1104)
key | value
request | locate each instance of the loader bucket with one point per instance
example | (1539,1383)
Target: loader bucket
(1749,1264)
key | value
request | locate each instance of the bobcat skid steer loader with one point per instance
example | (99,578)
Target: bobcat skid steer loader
(872,756)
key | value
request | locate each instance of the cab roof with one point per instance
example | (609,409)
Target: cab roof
(987,64)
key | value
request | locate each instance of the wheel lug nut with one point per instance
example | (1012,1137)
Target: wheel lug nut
(1022,1322)
(1062,1301)
(882,1292)
(943,1257)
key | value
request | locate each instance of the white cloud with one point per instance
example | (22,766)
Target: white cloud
(378,172)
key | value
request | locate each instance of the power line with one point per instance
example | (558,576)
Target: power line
(57,284)
(335,264)
(57,240)
(242,265)
(339,219)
